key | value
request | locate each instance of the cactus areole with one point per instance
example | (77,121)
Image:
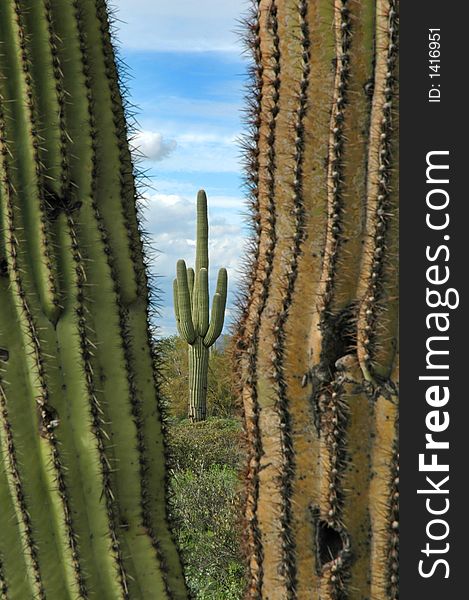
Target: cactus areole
(82,470)
(191,306)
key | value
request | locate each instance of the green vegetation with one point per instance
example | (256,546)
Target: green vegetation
(206,508)
(216,442)
(205,459)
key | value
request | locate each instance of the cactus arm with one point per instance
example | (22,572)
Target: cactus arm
(218,309)
(216,322)
(194,299)
(175,298)
(176,306)
(195,303)
(202,301)
(190,281)
(185,313)
(222,283)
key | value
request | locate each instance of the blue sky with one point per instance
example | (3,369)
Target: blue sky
(187,75)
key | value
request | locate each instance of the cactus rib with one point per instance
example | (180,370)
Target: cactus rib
(30,173)
(36,387)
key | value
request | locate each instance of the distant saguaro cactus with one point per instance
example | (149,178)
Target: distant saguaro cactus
(191,308)
(316,346)
(82,467)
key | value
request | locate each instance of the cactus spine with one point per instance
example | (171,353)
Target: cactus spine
(82,474)
(316,342)
(191,308)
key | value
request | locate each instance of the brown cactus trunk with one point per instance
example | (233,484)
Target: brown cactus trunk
(316,351)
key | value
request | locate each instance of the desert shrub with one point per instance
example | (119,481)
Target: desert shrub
(206,493)
(174,375)
(205,506)
(221,399)
(199,446)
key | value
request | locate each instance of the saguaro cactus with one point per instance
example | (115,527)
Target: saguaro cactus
(191,308)
(82,473)
(316,347)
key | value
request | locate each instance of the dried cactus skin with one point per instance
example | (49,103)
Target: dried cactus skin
(82,484)
(316,347)
(195,324)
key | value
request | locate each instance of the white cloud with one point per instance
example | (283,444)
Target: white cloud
(193,151)
(182,26)
(153,146)
(228,202)
(175,187)
(173,190)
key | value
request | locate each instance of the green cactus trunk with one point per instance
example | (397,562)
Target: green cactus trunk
(82,474)
(191,308)
(198,377)
(316,346)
